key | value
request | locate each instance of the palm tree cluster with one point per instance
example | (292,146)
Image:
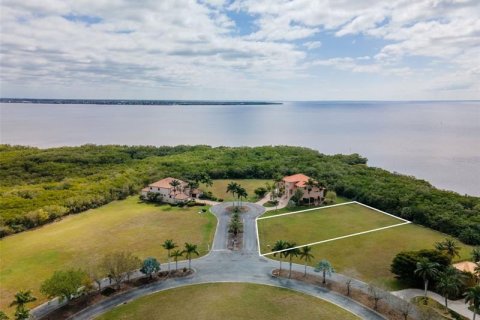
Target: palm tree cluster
(236,189)
(285,249)
(235,225)
(189,250)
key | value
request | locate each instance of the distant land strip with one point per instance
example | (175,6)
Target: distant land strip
(136,102)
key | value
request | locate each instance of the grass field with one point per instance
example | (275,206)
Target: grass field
(368,256)
(288,209)
(228,301)
(219,188)
(32,256)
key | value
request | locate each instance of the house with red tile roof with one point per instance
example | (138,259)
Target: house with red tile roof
(311,194)
(170,194)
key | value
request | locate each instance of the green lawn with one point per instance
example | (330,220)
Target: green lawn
(367,257)
(228,301)
(293,209)
(321,224)
(30,257)
(219,188)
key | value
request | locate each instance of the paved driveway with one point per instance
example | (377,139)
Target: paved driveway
(223,265)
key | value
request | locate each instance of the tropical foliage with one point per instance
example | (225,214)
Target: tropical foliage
(41,185)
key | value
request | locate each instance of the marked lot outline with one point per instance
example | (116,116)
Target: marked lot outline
(404,222)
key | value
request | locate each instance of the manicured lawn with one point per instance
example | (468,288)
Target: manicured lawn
(228,301)
(32,256)
(286,210)
(367,257)
(321,224)
(219,188)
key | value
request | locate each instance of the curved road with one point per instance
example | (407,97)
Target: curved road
(223,265)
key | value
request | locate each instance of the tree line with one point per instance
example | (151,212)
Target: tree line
(38,186)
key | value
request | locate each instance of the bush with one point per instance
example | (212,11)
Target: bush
(260,192)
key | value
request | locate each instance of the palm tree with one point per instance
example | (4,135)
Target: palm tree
(232,188)
(310,185)
(175,255)
(290,253)
(190,250)
(175,184)
(22,297)
(472,297)
(449,284)
(476,272)
(241,193)
(192,185)
(427,270)
(305,254)
(325,267)
(278,248)
(169,245)
(450,247)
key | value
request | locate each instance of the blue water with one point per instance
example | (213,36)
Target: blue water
(436,141)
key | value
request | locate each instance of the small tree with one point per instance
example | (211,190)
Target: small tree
(376,294)
(175,255)
(150,266)
(260,192)
(348,284)
(330,197)
(120,264)
(406,308)
(326,268)
(22,297)
(64,284)
(3,316)
(449,284)
(427,270)
(96,274)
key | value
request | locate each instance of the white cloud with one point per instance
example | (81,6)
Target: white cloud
(194,45)
(310,45)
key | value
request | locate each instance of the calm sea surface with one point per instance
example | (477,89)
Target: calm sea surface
(436,141)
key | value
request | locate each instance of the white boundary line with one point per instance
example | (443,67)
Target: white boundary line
(306,210)
(378,210)
(338,238)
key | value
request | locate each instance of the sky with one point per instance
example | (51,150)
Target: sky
(241,49)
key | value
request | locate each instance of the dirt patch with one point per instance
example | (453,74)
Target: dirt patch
(355,294)
(108,292)
(235,243)
(239,209)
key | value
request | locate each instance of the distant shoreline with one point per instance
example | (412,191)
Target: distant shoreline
(136,102)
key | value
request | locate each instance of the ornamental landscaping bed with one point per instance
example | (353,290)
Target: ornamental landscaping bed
(76,305)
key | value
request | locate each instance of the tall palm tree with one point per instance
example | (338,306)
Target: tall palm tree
(310,185)
(175,184)
(472,297)
(241,193)
(325,267)
(290,253)
(189,251)
(277,249)
(450,247)
(169,245)
(175,255)
(305,254)
(232,188)
(449,284)
(426,270)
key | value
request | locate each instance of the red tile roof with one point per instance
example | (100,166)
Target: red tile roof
(165,183)
(299,177)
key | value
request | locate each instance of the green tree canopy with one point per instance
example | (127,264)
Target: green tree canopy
(64,284)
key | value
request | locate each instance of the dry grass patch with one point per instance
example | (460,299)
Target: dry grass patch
(30,257)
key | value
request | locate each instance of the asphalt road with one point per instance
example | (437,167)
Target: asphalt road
(223,265)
